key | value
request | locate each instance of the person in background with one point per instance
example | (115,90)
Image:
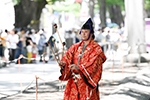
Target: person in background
(7,45)
(41,45)
(29,44)
(52,45)
(114,37)
(107,35)
(23,41)
(32,36)
(70,38)
(77,36)
(3,36)
(81,66)
(19,47)
(13,39)
(34,52)
(100,38)
(37,37)
(44,33)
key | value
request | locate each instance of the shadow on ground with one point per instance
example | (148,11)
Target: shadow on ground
(137,87)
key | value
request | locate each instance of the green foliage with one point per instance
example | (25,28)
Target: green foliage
(147,4)
(38,0)
(121,3)
(15,2)
(72,8)
(52,1)
(116,2)
(96,8)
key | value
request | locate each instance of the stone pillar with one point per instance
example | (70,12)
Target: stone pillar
(135,25)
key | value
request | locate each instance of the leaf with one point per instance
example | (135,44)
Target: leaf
(147,4)
(15,2)
(72,8)
(116,2)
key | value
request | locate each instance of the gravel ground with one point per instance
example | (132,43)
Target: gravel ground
(127,82)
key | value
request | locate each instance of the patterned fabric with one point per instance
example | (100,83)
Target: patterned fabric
(91,71)
(29,55)
(33,55)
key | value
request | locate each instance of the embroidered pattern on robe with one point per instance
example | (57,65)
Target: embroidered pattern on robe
(91,71)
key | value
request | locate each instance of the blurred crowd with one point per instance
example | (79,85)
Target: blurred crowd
(31,43)
(112,35)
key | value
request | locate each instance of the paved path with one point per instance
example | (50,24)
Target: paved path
(129,83)
(12,80)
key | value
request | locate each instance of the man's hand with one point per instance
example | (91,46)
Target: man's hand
(74,68)
(62,63)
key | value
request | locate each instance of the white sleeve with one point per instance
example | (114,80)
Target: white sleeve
(7,39)
(17,38)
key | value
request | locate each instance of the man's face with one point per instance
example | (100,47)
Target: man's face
(100,31)
(22,31)
(85,34)
(12,32)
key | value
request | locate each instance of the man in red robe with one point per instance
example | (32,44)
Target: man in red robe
(81,66)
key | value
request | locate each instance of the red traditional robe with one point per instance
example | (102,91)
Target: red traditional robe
(90,71)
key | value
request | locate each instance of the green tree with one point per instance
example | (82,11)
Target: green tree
(28,12)
(72,8)
(102,4)
(115,8)
(91,8)
(147,8)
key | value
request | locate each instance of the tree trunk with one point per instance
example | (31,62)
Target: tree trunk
(28,12)
(135,25)
(115,14)
(147,13)
(91,10)
(102,5)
